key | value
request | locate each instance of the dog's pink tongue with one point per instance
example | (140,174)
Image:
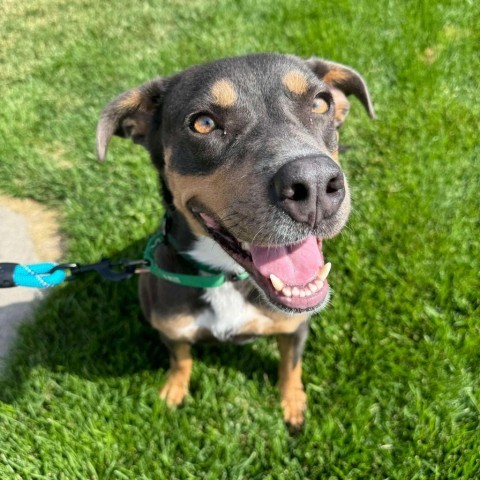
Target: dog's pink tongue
(293,264)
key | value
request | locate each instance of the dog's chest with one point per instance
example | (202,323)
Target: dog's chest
(227,314)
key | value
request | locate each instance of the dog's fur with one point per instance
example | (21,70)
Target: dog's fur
(217,177)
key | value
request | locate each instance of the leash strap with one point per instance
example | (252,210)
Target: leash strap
(46,275)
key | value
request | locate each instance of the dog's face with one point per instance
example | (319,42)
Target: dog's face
(247,151)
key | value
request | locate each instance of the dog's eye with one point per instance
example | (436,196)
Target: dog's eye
(204,124)
(320,105)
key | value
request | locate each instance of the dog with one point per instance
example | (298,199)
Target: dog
(247,154)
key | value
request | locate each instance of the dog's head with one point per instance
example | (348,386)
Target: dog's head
(247,150)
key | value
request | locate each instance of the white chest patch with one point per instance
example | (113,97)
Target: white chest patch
(210,253)
(228,311)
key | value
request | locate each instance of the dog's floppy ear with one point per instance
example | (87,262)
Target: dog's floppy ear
(342,106)
(129,115)
(344,82)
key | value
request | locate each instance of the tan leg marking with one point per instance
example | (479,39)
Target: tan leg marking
(176,386)
(268,322)
(179,328)
(294,399)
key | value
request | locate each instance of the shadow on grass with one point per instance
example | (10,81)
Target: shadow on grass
(93,328)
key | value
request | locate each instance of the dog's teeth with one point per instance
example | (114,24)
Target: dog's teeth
(246,246)
(287,291)
(324,271)
(277,283)
(307,292)
(319,284)
(295,292)
(302,293)
(313,288)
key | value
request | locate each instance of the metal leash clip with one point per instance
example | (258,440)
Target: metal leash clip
(112,271)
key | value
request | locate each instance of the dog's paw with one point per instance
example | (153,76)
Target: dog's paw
(174,391)
(294,404)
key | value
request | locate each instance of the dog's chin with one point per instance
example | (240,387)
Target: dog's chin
(290,277)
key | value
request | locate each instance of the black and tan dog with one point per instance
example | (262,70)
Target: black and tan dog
(247,152)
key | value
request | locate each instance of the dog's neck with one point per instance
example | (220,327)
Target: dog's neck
(203,249)
(177,227)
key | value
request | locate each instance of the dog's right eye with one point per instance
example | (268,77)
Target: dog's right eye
(203,124)
(320,105)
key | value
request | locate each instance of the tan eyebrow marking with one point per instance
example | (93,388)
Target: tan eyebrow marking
(223,93)
(296,82)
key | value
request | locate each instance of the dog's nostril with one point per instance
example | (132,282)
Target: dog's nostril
(300,192)
(296,192)
(335,184)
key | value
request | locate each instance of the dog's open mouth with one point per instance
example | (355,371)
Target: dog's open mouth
(294,277)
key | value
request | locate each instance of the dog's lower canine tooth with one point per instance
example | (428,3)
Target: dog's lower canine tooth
(287,291)
(277,283)
(324,271)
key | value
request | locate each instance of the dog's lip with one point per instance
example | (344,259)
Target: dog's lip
(309,295)
(210,221)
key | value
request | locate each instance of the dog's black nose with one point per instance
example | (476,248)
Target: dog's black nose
(309,189)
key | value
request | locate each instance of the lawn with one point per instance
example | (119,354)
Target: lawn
(392,367)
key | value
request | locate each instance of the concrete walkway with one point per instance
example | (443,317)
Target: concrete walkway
(28,234)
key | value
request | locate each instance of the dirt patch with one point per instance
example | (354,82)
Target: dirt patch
(42,226)
(29,233)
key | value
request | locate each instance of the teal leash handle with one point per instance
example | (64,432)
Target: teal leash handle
(46,275)
(36,275)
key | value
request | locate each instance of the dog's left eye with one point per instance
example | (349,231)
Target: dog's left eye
(204,124)
(320,105)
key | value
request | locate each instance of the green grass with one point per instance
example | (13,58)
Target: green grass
(392,368)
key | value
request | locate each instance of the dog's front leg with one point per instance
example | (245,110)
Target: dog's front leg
(176,386)
(294,399)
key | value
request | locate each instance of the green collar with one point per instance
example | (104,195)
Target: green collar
(215,278)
